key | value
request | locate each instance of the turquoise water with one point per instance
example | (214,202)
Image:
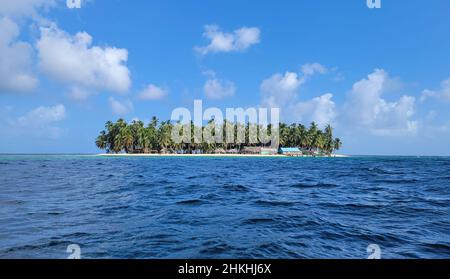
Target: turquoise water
(224,207)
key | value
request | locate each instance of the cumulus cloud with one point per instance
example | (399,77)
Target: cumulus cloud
(15,60)
(41,122)
(443,93)
(120,108)
(282,91)
(238,40)
(72,60)
(44,115)
(153,92)
(216,89)
(365,108)
(313,68)
(79,94)
(321,110)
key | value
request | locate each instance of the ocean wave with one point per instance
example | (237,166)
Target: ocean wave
(236,188)
(257,221)
(255,208)
(190,202)
(314,185)
(274,203)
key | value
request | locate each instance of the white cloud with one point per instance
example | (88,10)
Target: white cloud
(153,92)
(443,93)
(216,89)
(426,94)
(282,91)
(16,8)
(40,122)
(73,61)
(321,110)
(246,37)
(239,40)
(44,115)
(120,108)
(15,60)
(365,108)
(313,68)
(79,94)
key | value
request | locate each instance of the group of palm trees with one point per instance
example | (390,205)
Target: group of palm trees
(156,137)
(311,139)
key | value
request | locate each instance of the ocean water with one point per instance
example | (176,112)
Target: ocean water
(224,207)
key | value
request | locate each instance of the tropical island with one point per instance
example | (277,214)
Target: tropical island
(156,138)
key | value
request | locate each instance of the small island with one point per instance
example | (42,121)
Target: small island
(135,138)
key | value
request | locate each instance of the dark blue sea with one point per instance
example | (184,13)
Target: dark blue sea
(224,207)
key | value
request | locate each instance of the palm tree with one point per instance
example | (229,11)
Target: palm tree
(306,140)
(328,147)
(134,137)
(154,122)
(152,133)
(165,135)
(136,129)
(284,135)
(113,130)
(239,135)
(313,134)
(144,140)
(126,139)
(102,140)
(337,144)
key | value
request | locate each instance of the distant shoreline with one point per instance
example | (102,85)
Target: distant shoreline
(218,155)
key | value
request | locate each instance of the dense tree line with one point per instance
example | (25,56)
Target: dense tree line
(157,137)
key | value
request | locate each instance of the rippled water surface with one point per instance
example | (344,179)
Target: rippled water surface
(224,207)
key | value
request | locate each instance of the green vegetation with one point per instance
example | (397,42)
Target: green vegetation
(157,138)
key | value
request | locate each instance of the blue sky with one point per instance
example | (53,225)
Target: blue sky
(380,76)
